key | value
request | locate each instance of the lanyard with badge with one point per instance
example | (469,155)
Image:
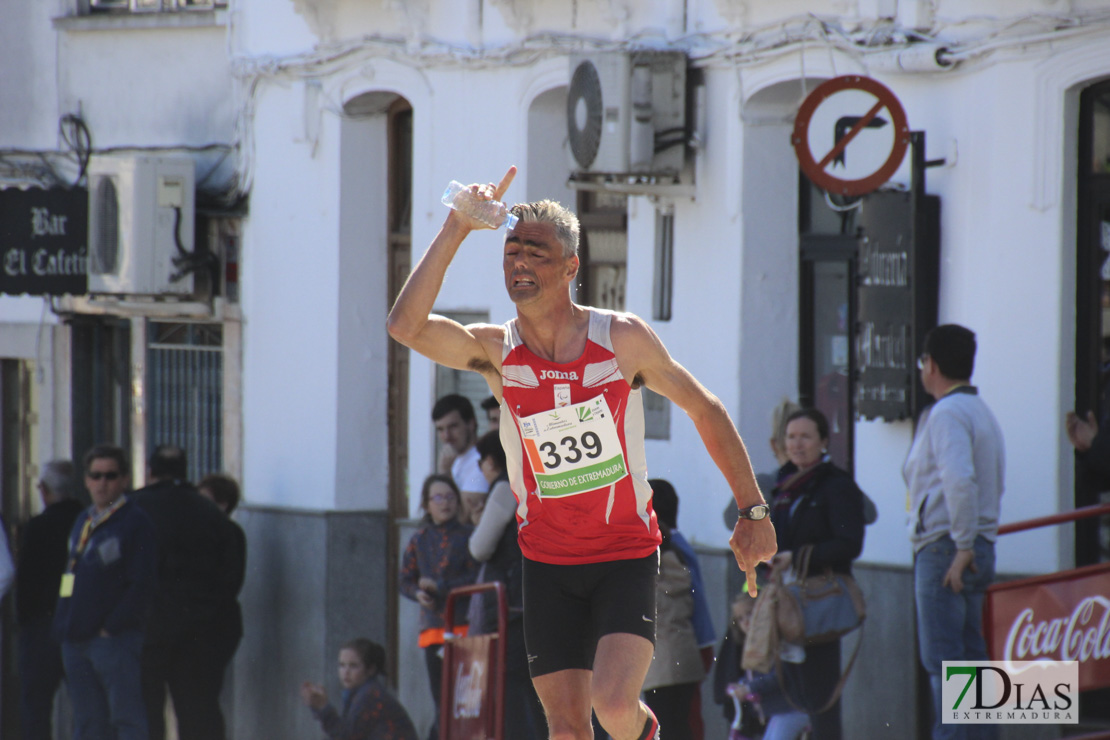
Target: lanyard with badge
(91,523)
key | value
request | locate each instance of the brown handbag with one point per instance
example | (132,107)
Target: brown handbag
(820,608)
(761,643)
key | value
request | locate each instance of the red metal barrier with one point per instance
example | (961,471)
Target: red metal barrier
(1084,512)
(1058,616)
(472,698)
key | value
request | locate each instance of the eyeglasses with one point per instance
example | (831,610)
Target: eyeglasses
(921,360)
(442,498)
(97,475)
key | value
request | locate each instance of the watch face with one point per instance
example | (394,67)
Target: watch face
(755,513)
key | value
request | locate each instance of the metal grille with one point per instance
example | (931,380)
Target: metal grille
(185,392)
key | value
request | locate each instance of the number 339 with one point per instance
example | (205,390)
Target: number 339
(572,450)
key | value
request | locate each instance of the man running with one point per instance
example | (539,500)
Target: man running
(569,380)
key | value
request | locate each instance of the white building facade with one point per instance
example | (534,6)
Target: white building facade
(322,134)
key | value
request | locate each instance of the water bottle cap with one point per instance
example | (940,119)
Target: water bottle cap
(510,222)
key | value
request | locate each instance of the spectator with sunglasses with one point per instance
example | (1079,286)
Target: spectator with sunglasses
(105,595)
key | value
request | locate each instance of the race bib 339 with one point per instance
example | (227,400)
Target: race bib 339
(574,449)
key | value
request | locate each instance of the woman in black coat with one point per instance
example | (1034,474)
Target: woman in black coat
(816,503)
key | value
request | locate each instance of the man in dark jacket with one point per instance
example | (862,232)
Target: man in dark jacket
(103,599)
(197,571)
(42,561)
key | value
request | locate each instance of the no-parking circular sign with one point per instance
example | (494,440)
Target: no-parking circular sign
(850,135)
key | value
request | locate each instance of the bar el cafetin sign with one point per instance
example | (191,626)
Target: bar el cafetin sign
(44,241)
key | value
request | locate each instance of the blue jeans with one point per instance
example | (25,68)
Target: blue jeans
(103,676)
(950,625)
(786,726)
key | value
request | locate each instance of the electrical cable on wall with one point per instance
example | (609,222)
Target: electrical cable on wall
(960,41)
(185,261)
(75,134)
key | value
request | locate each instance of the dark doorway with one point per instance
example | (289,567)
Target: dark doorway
(399,241)
(101,385)
(1092,310)
(827,332)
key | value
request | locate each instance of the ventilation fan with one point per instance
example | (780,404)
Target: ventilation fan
(584,114)
(105,237)
(141,219)
(626,112)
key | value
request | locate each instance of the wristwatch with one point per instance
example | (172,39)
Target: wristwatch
(756,512)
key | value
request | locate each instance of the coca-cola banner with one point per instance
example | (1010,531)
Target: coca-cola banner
(469,697)
(1060,616)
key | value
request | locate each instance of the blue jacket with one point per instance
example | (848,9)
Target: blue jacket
(438,552)
(114,577)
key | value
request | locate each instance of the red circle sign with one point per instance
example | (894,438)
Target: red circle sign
(817,169)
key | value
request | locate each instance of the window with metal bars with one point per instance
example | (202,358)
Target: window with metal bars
(185,392)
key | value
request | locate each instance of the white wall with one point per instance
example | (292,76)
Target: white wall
(28,100)
(290,269)
(362,418)
(130,97)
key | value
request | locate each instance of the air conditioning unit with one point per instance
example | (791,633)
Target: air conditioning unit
(140,219)
(626,112)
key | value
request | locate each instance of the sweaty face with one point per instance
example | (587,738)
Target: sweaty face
(804,443)
(452,430)
(352,672)
(534,262)
(105,481)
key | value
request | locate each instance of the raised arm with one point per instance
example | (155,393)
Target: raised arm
(411,321)
(643,357)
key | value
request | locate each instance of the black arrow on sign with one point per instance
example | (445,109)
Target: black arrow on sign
(844,124)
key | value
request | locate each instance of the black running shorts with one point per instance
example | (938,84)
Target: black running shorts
(568,608)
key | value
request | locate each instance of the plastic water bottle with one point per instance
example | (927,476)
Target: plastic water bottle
(492,213)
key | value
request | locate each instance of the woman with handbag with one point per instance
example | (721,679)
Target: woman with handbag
(815,504)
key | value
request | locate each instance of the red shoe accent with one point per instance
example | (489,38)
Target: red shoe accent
(651,728)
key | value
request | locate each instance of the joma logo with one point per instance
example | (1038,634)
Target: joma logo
(557,375)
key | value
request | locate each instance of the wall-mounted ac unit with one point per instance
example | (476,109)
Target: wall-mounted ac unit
(140,218)
(626,112)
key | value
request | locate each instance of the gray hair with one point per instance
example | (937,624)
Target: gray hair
(60,478)
(554,213)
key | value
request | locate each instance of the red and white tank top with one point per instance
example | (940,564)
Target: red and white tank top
(573,435)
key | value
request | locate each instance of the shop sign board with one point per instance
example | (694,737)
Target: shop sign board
(896,289)
(44,241)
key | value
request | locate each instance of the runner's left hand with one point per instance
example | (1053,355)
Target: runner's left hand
(752,542)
